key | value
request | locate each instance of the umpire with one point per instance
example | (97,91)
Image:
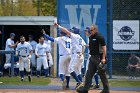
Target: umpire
(97,61)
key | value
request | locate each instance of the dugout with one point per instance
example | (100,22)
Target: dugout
(25,25)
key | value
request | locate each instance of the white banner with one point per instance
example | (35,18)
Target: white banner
(126,35)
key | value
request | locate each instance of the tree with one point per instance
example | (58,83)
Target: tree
(47,7)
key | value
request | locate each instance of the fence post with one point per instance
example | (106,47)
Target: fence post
(12,63)
(111,39)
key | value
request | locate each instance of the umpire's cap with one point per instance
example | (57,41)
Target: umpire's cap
(75,30)
(12,34)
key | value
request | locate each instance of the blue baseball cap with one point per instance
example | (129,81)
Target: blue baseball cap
(87,29)
(12,34)
(75,30)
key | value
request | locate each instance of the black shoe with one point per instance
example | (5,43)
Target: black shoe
(29,78)
(22,79)
(81,90)
(105,91)
(96,86)
(67,88)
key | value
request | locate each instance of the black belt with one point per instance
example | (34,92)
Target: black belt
(24,56)
(77,53)
(42,55)
(64,55)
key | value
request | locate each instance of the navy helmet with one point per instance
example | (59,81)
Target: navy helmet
(75,30)
(87,29)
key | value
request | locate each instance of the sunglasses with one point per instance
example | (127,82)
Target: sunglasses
(91,30)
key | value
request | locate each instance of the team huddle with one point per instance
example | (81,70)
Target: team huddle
(71,56)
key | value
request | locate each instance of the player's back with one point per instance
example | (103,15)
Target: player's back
(64,43)
(77,42)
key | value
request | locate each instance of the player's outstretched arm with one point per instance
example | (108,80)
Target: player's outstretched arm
(65,30)
(47,36)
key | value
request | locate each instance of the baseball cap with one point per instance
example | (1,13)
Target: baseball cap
(87,29)
(12,34)
(75,30)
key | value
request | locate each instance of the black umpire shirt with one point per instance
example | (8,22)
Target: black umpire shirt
(95,43)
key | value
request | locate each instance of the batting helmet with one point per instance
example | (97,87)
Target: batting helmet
(87,29)
(75,30)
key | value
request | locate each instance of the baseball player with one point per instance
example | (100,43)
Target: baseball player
(24,51)
(87,33)
(76,54)
(50,59)
(33,43)
(41,52)
(64,43)
(10,45)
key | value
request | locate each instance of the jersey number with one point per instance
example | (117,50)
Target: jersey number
(80,41)
(67,44)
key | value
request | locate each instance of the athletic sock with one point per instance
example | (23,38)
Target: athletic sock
(22,74)
(80,77)
(46,72)
(62,77)
(67,80)
(75,77)
(96,78)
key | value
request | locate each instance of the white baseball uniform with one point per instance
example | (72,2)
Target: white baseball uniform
(23,52)
(33,57)
(48,42)
(64,43)
(77,56)
(41,50)
(8,56)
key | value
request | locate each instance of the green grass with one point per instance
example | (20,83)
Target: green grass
(46,81)
(124,83)
(16,81)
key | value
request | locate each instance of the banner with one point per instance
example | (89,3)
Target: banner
(82,13)
(126,35)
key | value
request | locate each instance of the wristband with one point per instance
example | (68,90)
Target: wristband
(59,26)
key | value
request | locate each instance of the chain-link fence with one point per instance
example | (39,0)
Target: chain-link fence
(125,10)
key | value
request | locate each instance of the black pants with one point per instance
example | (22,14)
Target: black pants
(92,69)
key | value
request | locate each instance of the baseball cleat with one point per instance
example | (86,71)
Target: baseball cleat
(96,86)
(78,85)
(22,79)
(29,78)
